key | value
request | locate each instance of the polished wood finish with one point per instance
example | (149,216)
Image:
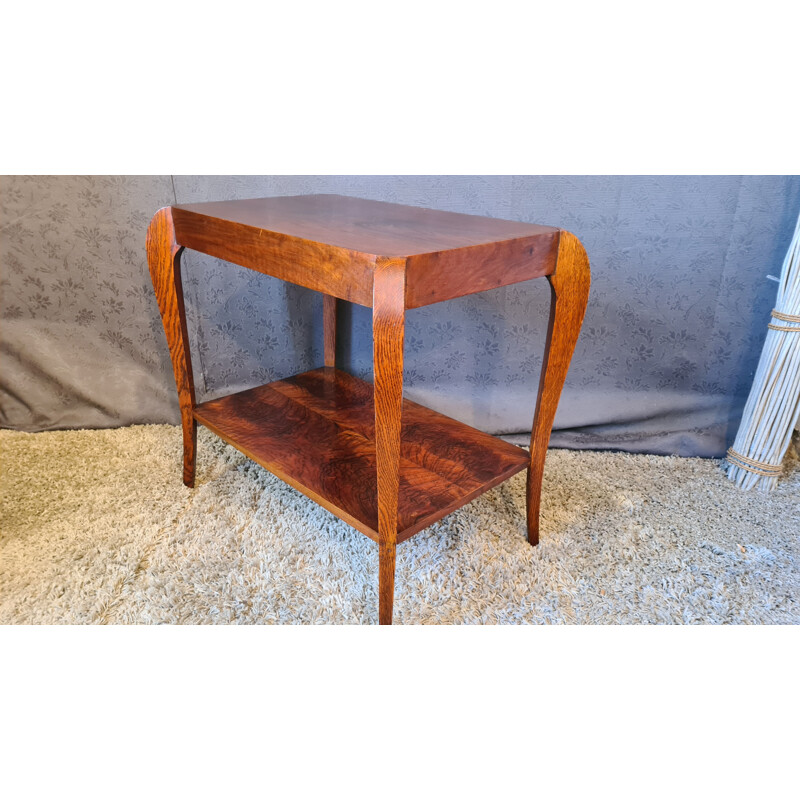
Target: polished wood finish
(569,286)
(387,466)
(434,277)
(164,260)
(325,268)
(317,432)
(329,329)
(332,243)
(388,327)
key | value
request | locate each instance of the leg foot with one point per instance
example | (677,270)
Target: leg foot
(386,559)
(189,452)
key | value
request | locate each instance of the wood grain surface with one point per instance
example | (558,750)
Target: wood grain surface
(164,260)
(365,226)
(316,431)
(332,244)
(324,268)
(388,332)
(388,467)
(434,277)
(329,329)
(569,286)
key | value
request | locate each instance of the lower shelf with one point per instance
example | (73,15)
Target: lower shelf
(316,431)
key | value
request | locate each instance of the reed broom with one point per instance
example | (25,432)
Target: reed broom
(773,405)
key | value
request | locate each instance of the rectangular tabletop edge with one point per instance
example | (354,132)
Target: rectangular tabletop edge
(372,256)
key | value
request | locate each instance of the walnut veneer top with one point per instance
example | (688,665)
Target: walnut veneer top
(367,226)
(330,243)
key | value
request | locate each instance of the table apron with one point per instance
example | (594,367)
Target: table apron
(435,277)
(349,274)
(346,274)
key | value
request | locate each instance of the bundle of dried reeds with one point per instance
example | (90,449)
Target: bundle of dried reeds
(773,406)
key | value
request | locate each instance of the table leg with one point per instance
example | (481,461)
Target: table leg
(569,285)
(329,329)
(388,326)
(164,259)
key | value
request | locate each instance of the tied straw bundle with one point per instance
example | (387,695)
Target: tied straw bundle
(773,406)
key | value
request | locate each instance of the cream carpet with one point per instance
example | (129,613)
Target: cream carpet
(98,528)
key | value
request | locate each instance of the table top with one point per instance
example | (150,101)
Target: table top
(331,243)
(367,226)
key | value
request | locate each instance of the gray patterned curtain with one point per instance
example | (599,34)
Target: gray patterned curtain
(671,339)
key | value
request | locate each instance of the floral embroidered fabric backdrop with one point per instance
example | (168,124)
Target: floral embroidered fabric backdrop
(677,313)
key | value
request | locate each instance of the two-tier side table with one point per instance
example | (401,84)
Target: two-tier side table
(387,466)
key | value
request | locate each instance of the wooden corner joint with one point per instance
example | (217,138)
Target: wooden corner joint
(161,232)
(572,265)
(390,278)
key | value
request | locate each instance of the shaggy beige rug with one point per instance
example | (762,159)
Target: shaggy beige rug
(98,528)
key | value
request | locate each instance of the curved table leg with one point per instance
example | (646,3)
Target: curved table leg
(569,285)
(388,325)
(164,259)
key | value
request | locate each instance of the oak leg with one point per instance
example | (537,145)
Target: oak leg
(329,329)
(164,259)
(388,325)
(569,285)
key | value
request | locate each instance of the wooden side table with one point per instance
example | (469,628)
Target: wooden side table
(387,466)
